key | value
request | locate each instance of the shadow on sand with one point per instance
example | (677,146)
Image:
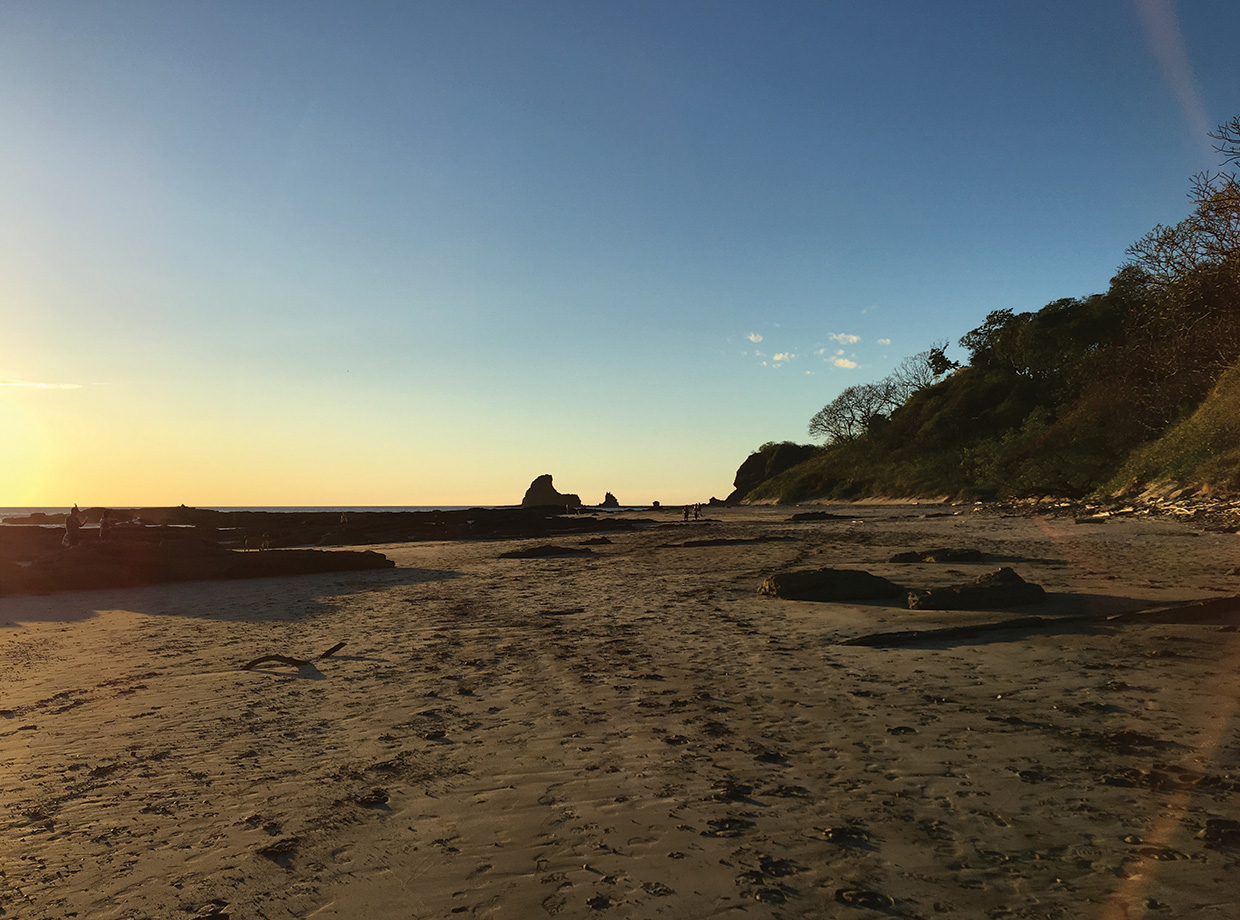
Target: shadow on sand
(1063,614)
(259,599)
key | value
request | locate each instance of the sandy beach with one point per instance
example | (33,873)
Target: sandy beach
(636,732)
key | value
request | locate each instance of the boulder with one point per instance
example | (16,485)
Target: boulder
(542,493)
(829,585)
(993,590)
(610,501)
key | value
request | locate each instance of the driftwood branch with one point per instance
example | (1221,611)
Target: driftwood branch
(295,662)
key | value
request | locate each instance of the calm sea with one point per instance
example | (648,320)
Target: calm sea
(22,512)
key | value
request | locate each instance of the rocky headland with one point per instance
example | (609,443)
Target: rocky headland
(153,545)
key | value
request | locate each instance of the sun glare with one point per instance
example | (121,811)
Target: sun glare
(23,460)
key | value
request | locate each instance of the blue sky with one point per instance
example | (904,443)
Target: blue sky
(321,253)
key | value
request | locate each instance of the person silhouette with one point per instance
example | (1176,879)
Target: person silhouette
(73,523)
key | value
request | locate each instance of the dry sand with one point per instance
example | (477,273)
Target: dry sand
(635,733)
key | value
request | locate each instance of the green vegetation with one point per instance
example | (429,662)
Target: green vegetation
(1119,391)
(1202,450)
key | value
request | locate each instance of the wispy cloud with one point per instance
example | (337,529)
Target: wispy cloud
(754,337)
(30,384)
(843,362)
(844,338)
(884,341)
(782,356)
(1166,41)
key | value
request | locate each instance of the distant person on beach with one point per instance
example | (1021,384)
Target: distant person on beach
(697,511)
(73,523)
(105,525)
(686,512)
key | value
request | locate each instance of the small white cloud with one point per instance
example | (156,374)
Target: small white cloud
(821,351)
(754,337)
(844,338)
(884,341)
(40,386)
(843,362)
(839,351)
(784,356)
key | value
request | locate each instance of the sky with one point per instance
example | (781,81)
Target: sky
(419,253)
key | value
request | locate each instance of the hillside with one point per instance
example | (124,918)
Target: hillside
(1116,392)
(1202,453)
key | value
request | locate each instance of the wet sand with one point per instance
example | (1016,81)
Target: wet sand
(637,733)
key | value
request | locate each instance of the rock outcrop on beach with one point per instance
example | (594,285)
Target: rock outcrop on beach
(285,529)
(177,544)
(828,585)
(992,591)
(130,563)
(940,555)
(610,501)
(542,494)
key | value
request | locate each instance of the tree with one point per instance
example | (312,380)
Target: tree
(1228,137)
(938,362)
(1209,236)
(994,343)
(857,408)
(1185,330)
(916,372)
(850,414)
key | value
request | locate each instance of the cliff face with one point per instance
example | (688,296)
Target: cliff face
(767,461)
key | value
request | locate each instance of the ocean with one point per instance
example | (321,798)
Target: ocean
(336,509)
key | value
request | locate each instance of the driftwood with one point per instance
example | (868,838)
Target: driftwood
(295,662)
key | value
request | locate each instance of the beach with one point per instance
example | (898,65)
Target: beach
(634,731)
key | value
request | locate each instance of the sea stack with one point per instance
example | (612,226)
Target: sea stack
(542,493)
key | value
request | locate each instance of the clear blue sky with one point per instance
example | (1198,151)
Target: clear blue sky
(318,253)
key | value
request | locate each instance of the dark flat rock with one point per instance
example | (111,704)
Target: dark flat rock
(828,585)
(284,529)
(549,550)
(134,563)
(994,590)
(940,555)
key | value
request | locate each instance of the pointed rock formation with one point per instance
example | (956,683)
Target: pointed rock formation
(542,493)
